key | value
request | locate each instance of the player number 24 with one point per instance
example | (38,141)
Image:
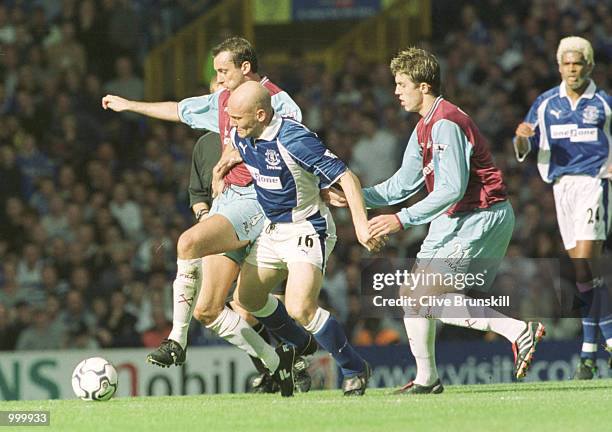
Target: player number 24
(590,212)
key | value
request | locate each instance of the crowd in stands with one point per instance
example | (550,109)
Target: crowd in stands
(92,202)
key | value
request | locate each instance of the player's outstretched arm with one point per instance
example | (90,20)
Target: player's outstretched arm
(522,145)
(159,110)
(406,182)
(354,198)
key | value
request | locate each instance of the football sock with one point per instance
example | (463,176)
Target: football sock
(329,334)
(605,314)
(276,319)
(480,318)
(422,338)
(590,318)
(185,290)
(261,331)
(234,329)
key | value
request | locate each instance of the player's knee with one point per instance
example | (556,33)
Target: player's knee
(186,243)
(301,313)
(244,302)
(207,314)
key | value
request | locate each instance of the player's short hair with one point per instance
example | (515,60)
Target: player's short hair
(577,44)
(419,65)
(241,50)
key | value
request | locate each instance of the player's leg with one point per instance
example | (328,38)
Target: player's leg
(585,220)
(305,247)
(208,304)
(212,311)
(590,289)
(252,293)
(234,218)
(266,307)
(214,235)
(303,286)
(218,231)
(263,382)
(453,244)
(486,236)
(185,289)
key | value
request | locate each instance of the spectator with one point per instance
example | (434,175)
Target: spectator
(67,52)
(377,145)
(121,323)
(126,212)
(42,334)
(153,337)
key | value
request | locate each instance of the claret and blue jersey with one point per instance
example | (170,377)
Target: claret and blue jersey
(572,138)
(289,165)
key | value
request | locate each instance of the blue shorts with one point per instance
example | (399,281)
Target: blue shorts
(473,242)
(239,205)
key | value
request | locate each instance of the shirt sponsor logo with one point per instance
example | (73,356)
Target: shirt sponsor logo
(573,132)
(264,181)
(584,135)
(590,115)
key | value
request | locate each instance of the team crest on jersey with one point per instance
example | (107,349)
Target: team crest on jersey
(590,115)
(272,159)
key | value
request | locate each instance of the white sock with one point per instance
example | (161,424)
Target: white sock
(480,318)
(318,321)
(234,329)
(185,289)
(422,337)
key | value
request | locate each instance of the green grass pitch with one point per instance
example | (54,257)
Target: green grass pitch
(555,406)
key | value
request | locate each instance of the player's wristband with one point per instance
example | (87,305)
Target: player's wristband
(201,214)
(399,220)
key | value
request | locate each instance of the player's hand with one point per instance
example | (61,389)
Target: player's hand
(368,241)
(334,197)
(383,225)
(218,185)
(525,130)
(115,103)
(234,158)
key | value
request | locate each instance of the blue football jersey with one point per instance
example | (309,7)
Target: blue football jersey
(289,165)
(572,139)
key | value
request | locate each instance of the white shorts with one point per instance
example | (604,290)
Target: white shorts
(583,208)
(279,244)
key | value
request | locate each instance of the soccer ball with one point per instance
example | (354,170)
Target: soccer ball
(94,379)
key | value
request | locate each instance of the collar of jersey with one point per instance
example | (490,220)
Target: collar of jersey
(270,132)
(432,109)
(588,93)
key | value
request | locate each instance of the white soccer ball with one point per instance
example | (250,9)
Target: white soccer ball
(95,379)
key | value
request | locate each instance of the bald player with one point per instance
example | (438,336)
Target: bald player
(289,166)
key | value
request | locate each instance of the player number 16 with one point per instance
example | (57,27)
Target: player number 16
(306,241)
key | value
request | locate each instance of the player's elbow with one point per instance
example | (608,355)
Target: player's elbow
(349,178)
(452,194)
